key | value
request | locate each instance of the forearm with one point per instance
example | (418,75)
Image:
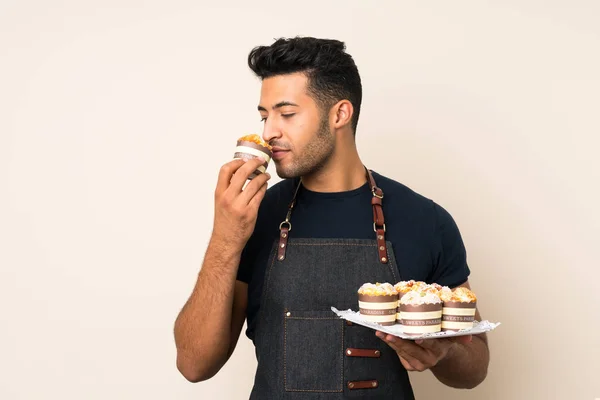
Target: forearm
(203,327)
(465,366)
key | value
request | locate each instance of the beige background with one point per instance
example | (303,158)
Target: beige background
(116,115)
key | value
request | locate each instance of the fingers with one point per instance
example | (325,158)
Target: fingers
(256,200)
(257,186)
(412,352)
(243,173)
(226,173)
(422,354)
(406,364)
(415,356)
(433,344)
(437,347)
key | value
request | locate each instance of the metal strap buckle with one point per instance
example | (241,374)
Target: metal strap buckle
(375,194)
(286,222)
(375,227)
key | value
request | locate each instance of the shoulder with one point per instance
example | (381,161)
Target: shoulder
(421,221)
(396,193)
(404,201)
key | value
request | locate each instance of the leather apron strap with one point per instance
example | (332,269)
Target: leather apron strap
(378,221)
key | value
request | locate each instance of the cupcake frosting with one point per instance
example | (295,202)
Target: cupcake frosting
(256,139)
(463,295)
(407,286)
(377,289)
(446,293)
(404,286)
(435,286)
(418,298)
(418,286)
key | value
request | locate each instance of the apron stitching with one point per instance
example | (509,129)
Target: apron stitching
(285,353)
(331,244)
(285,358)
(266,289)
(270,272)
(342,354)
(390,265)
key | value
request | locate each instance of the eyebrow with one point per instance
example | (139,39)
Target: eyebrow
(279,105)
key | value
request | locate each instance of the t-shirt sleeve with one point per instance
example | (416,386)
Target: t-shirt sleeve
(450,257)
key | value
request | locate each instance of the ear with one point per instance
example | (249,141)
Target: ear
(342,114)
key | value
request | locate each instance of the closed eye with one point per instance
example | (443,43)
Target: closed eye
(288,115)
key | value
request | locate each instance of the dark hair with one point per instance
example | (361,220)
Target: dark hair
(331,72)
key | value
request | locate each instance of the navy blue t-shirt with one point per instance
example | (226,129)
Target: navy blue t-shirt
(426,240)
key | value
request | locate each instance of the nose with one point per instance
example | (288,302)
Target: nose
(271,131)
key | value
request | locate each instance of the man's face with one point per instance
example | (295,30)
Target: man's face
(301,138)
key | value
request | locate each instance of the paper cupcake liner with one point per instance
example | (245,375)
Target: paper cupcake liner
(421,318)
(249,150)
(380,309)
(458,315)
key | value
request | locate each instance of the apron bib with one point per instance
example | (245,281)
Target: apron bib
(304,350)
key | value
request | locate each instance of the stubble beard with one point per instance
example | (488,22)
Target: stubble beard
(314,157)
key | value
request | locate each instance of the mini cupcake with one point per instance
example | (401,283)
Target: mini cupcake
(404,287)
(459,309)
(435,288)
(378,302)
(420,312)
(252,146)
(445,293)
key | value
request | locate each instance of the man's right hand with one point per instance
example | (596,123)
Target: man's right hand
(209,325)
(236,210)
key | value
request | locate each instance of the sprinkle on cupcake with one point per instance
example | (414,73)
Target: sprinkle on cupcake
(377,289)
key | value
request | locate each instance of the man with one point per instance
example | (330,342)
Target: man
(282,257)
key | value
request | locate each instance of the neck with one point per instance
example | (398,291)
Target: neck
(343,172)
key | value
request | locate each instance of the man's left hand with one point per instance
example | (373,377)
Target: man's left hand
(422,354)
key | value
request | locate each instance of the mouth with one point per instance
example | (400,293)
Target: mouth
(279,153)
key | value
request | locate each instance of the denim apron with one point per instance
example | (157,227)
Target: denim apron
(304,350)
